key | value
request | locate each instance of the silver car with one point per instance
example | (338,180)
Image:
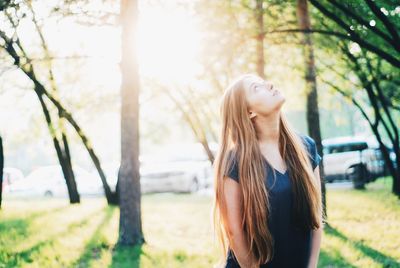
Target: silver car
(174,176)
(343,154)
(49,181)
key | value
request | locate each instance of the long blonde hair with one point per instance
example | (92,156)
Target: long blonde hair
(238,138)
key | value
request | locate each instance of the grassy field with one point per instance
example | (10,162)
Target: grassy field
(364,232)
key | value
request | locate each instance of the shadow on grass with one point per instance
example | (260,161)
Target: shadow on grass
(16,229)
(127,256)
(38,214)
(329,260)
(13,259)
(139,256)
(377,256)
(96,243)
(13,229)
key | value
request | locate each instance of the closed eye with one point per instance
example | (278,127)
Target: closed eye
(256,87)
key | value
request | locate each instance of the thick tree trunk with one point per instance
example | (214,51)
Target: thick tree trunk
(1,170)
(130,224)
(312,112)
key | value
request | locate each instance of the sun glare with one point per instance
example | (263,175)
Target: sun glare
(168,45)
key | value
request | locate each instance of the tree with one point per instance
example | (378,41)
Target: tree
(366,33)
(62,149)
(312,110)
(20,58)
(378,110)
(62,153)
(373,25)
(130,223)
(371,51)
(383,28)
(59,134)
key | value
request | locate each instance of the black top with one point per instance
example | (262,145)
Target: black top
(292,246)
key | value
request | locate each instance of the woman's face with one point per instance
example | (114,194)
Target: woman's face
(262,98)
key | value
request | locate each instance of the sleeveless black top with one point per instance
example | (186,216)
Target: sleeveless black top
(292,246)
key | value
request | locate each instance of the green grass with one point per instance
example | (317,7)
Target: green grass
(364,228)
(364,232)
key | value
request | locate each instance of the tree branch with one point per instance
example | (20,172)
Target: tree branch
(364,22)
(389,26)
(355,37)
(356,103)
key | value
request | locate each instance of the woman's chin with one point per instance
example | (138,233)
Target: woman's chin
(281,102)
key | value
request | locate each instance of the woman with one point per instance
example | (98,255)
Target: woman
(267,204)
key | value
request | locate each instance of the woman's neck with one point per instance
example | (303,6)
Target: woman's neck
(267,129)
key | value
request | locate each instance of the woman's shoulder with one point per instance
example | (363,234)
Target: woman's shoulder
(311,149)
(307,140)
(233,167)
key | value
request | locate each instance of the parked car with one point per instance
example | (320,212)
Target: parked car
(191,159)
(182,176)
(177,168)
(10,176)
(165,177)
(49,181)
(343,154)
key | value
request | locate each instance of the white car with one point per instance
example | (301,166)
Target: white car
(342,154)
(177,176)
(50,181)
(10,176)
(182,176)
(188,157)
(173,168)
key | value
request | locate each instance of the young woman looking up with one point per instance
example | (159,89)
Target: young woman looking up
(267,203)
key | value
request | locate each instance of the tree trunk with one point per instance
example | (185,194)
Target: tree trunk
(311,88)
(1,170)
(259,12)
(111,197)
(66,169)
(191,116)
(130,224)
(374,123)
(383,118)
(67,159)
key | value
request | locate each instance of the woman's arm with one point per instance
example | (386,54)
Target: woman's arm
(234,198)
(316,234)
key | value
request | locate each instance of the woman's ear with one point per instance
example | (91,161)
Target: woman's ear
(252,114)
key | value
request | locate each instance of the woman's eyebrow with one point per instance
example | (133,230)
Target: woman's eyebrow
(251,85)
(258,82)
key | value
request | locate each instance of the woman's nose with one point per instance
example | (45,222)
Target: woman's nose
(269,85)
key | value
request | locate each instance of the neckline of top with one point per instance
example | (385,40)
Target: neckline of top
(279,172)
